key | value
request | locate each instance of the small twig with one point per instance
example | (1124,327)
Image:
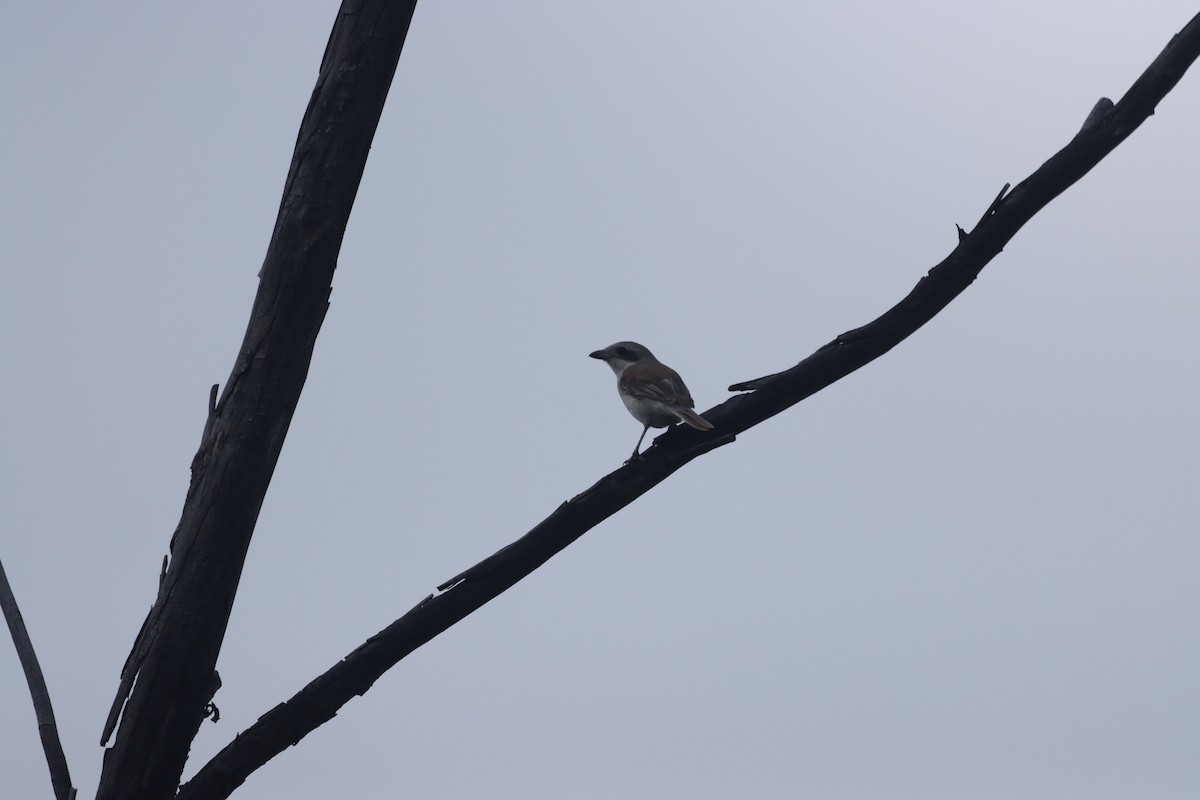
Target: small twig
(991,209)
(210,708)
(1000,198)
(1098,112)
(129,671)
(60,776)
(211,421)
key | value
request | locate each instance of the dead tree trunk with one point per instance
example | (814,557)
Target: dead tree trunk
(169,678)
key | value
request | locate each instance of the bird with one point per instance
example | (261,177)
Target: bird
(653,392)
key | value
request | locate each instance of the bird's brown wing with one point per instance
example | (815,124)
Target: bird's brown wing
(659,383)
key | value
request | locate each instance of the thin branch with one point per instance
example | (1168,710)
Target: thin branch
(318,702)
(60,776)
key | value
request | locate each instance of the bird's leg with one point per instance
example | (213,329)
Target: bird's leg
(638,446)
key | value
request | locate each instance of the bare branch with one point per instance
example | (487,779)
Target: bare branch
(60,776)
(318,702)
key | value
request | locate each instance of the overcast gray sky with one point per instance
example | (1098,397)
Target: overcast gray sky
(967,571)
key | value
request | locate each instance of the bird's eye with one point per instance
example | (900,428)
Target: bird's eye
(622,351)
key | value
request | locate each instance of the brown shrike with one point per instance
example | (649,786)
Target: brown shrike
(653,392)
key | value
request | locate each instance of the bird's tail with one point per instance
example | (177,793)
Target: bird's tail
(695,420)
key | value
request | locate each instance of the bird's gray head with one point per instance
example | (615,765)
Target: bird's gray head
(623,354)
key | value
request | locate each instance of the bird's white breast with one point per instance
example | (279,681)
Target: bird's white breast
(650,412)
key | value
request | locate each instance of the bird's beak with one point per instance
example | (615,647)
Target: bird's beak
(600,354)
